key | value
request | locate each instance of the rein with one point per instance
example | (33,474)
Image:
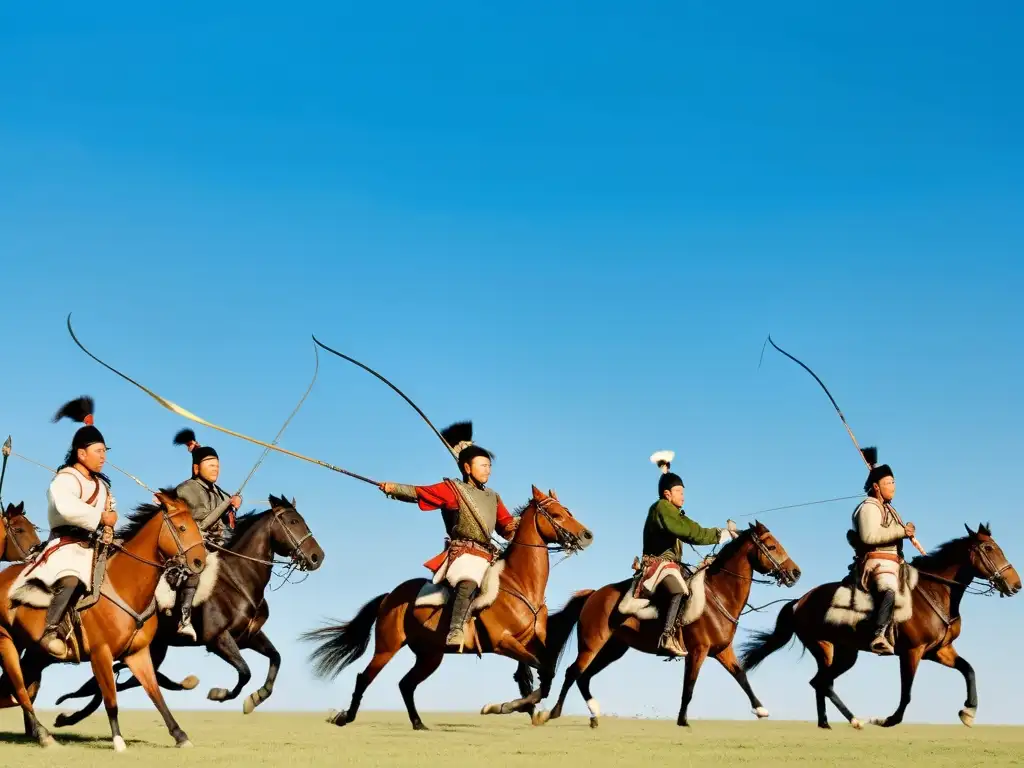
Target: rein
(182,549)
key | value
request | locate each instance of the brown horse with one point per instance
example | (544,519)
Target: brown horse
(604,634)
(934,624)
(513,625)
(18,534)
(120,625)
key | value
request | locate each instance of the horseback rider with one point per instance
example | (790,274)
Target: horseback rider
(877,538)
(471,513)
(666,529)
(80,505)
(212,508)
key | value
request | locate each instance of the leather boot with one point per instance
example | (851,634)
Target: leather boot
(883,615)
(64,591)
(668,645)
(185,596)
(460,612)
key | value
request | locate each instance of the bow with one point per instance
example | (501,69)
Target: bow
(913,539)
(175,408)
(7,455)
(266,451)
(396,389)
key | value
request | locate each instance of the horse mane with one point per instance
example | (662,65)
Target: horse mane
(518,511)
(142,514)
(730,548)
(943,555)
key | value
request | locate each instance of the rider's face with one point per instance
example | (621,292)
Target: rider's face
(480,469)
(676,495)
(93,458)
(886,488)
(209,470)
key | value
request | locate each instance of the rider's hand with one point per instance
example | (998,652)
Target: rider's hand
(388,488)
(236,501)
(911,530)
(730,526)
(108,518)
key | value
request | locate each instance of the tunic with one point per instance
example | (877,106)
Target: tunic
(666,529)
(208,503)
(465,508)
(75,504)
(880,535)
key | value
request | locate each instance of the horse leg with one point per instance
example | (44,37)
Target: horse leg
(511,648)
(694,659)
(908,669)
(948,657)
(224,646)
(589,649)
(11,660)
(102,661)
(843,660)
(141,665)
(727,659)
(32,667)
(611,653)
(260,643)
(427,662)
(363,679)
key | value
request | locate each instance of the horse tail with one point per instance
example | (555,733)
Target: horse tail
(764,644)
(560,625)
(343,643)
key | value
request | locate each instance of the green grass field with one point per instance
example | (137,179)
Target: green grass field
(385,739)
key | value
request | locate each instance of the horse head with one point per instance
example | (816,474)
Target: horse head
(555,524)
(21,536)
(769,557)
(990,563)
(290,535)
(178,537)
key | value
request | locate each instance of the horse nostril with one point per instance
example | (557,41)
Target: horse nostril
(586,535)
(197,563)
(315,558)
(796,572)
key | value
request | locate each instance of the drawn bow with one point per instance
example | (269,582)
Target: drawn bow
(183,412)
(913,539)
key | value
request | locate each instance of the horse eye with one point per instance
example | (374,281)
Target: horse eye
(771,547)
(181,528)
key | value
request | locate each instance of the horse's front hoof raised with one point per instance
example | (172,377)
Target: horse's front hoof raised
(967,715)
(190,682)
(491,709)
(218,694)
(761,713)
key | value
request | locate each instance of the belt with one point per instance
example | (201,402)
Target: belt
(70,531)
(890,556)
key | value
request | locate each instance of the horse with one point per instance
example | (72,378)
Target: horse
(18,535)
(934,624)
(120,624)
(719,592)
(231,609)
(509,618)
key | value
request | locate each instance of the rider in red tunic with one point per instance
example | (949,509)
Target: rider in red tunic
(471,512)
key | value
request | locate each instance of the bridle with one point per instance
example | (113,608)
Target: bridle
(775,570)
(11,537)
(996,576)
(299,559)
(175,562)
(565,541)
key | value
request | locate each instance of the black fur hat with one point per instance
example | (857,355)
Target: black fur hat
(459,437)
(668,480)
(199,452)
(878,471)
(81,410)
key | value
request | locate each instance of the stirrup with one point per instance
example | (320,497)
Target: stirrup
(881,646)
(53,643)
(456,638)
(186,630)
(668,647)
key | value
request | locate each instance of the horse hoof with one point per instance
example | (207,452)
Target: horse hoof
(190,682)
(857,724)
(337,718)
(61,721)
(540,717)
(419,727)
(119,745)
(879,721)
(825,726)
(47,741)
(186,744)
(250,704)
(761,713)
(491,709)
(593,722)
(217,694)
(682,723)
(967,716)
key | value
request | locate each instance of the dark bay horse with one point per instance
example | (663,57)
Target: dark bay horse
(231,619)
(18,535)
(120,625)
(513,625)
(604,634)
(929,633)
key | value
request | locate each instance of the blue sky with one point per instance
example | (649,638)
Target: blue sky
(574,226)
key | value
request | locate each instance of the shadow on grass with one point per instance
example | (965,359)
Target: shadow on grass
(105,742)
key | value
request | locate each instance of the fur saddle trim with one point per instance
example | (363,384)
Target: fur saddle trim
(851,606)
(436,595)
(166,597)
(643,609)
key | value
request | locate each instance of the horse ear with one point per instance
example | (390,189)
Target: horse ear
(293,502)
(274,501)
(969,531)
(163,499)
(20,509)
(537,494)
(552,494)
